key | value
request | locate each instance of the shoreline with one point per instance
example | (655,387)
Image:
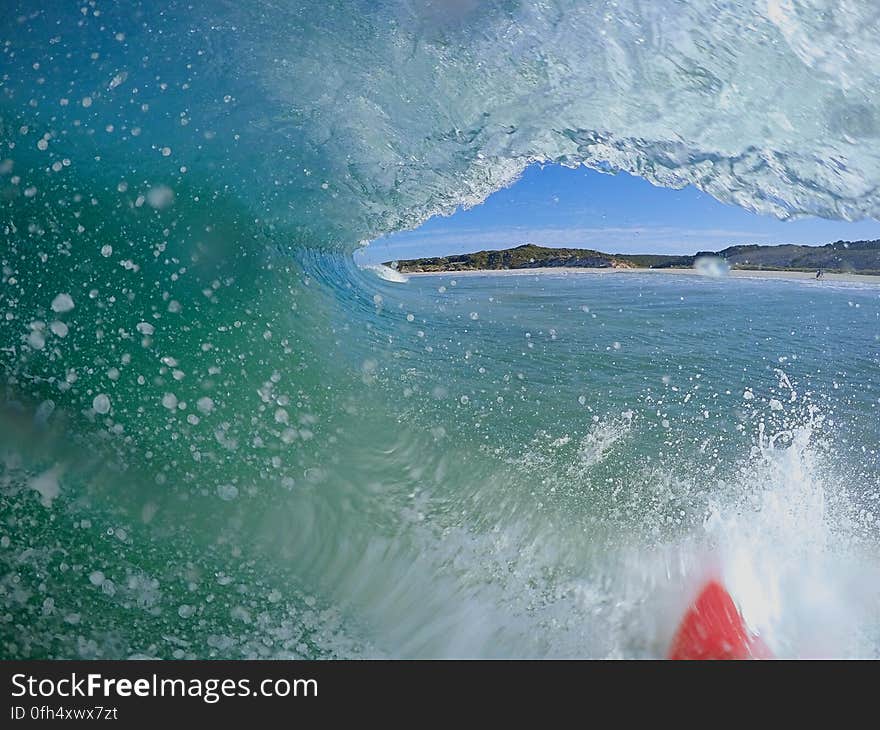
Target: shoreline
(734,273)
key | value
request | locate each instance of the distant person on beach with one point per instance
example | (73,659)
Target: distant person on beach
(819,274)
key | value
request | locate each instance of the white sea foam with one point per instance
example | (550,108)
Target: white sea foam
(386,273)
(602,438)
(712,266)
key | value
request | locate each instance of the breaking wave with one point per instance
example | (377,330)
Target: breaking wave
(220,438)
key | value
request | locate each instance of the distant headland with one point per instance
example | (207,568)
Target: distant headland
(848,257)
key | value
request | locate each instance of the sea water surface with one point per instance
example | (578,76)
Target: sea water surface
(635,433)
(219,438)
(527,465)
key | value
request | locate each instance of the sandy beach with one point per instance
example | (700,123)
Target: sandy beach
(736,273)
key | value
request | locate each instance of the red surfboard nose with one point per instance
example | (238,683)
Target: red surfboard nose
(713,628)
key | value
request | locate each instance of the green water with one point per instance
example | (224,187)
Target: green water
(221,439)
(499,465)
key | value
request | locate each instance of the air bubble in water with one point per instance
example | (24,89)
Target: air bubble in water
(227,492)
(62,303)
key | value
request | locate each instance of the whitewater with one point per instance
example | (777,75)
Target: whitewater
(220,438)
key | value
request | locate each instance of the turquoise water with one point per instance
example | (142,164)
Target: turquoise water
(501,466)
(219,438)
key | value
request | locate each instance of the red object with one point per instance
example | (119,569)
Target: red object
(713,628)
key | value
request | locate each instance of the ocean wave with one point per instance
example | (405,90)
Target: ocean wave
(220,438)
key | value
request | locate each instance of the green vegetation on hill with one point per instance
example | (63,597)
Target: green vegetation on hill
(529,256)
(861,257)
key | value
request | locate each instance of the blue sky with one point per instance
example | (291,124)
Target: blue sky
(582,208)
